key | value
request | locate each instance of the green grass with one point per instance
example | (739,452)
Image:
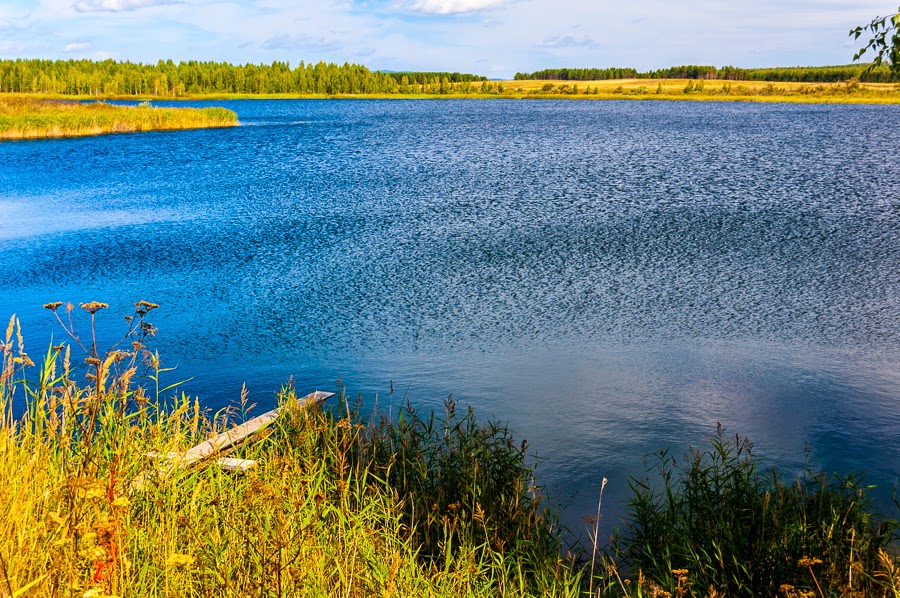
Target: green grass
(345,503)
(24,118)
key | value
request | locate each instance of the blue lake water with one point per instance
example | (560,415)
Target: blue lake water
(611,278)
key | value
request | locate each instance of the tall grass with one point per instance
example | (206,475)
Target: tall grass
(339,504)
(22,118)
(720,521)
(343,503)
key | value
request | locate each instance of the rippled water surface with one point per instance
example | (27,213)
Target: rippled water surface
(609,277)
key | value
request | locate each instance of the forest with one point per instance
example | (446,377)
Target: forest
(170,79)
(799,74)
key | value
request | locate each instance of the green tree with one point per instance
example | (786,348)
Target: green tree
(885,41)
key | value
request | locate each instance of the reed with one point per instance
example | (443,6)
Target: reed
(339,504)
(342,503)
(718,521)
(26,118)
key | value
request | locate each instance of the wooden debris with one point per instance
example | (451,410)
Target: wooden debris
(236,465)
(227,441)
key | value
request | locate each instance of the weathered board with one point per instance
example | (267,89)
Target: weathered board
(227,441)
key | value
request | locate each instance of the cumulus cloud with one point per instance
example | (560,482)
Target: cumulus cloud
(450,7)
(76,47)
(118,5)
(568,41)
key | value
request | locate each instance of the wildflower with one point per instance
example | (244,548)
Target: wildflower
(52,306)
(144,306)
(809,562)
(121,502)
(680,572)
(178,560)
(93,307)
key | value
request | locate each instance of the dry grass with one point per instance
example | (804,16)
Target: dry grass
(29,118)
(620,89)
(713,90)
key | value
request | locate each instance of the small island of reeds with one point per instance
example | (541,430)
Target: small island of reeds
(30,118)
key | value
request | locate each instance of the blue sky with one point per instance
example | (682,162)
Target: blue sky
(491,37)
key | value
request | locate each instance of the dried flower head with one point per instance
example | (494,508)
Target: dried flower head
(809,562)
(93,307)
(145,306)
(52,306)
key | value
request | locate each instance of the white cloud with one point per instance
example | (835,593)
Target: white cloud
(76,47)
(118,5)
(302,41)
(568,41)
(449,7)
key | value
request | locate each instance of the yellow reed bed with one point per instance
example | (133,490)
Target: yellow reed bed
(28,118)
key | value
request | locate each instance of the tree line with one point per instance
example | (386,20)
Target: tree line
(812,74)
(170,79)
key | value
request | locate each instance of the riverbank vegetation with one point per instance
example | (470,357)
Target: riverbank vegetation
(25,118)
(84,79)
(851,92)
(867,73)
(397,502)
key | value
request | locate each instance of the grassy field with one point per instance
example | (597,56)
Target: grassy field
(701,90)
(29,117)
(394,503)
(622,89)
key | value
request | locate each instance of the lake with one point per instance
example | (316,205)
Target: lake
(611,278)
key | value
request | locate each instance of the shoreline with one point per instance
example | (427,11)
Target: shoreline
(678,90)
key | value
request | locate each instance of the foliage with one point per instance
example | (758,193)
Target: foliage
(168,79)
(25,118)
(873,73)
(885,41)
(744,532)
(424,77)
(579,74)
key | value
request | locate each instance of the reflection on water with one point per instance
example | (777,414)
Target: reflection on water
(610,277)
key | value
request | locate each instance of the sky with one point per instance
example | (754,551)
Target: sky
(496,38)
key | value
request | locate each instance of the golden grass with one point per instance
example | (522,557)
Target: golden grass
(618,89)
(30,118)
(712,90)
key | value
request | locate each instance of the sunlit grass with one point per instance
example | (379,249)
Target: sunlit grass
(712,90)
(850,92)
(24,118)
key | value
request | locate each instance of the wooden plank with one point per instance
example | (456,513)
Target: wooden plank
(227,441)
(231,439)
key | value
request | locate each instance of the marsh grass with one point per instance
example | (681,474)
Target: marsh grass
(24,118)
(717,519)
(346,503)
(340,504)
